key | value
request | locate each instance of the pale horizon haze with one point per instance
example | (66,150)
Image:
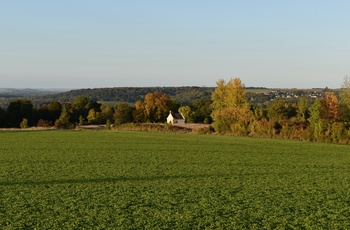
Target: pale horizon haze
(112,43)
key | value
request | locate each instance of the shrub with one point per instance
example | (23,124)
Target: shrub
(24,123)
(43,123)
(203,130)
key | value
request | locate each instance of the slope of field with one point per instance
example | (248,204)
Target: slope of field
(121,180)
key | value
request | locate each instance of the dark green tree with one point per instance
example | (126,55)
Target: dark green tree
(19,109)
(201,111)
(54,110)
(81,107)
(3,121)
(50,112)
(123,113)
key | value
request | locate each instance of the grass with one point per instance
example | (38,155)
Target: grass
(132,180)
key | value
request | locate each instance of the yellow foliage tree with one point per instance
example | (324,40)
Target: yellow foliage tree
(231,110)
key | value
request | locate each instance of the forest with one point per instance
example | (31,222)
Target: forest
(230,108)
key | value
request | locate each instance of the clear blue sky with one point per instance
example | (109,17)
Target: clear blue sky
(111,43)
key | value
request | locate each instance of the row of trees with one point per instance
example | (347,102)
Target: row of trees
(154,108)
(228,110)
(326,119)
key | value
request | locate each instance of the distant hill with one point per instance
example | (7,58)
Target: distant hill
(13,93)
(183,95)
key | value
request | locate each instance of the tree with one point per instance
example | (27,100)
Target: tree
(187,113)
(330,108)
(19,109)
(201,111)
(218,97)
(139,112)
(50,112)
(81,107)
(105,114)
(82,103)
(302,109)
(236,96)
(278,110)
(231,110)
(157,106)
(316,123)
(63,120)
(230,95)
(123,113)
(2,118)
(54,109)
(91,117)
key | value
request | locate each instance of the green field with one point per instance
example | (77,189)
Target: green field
(138,180)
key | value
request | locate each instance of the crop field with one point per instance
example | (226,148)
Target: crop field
(142,180)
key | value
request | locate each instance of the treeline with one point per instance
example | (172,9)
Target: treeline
(327,119)
(153,108)
(227,109)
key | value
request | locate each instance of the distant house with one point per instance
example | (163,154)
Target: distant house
(175,118)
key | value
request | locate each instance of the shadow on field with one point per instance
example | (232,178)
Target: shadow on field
(114,180)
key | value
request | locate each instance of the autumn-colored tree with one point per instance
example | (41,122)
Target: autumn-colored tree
(157,106)
(218,97)
(139,113)
(231,110)
(228,95)
(236,96)
(330,108)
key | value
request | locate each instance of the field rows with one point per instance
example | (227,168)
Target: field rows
(107,179)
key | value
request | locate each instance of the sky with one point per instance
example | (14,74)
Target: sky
(113,43)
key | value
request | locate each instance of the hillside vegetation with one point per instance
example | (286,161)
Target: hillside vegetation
(184,95)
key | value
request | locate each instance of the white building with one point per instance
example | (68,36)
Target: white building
(175,118)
